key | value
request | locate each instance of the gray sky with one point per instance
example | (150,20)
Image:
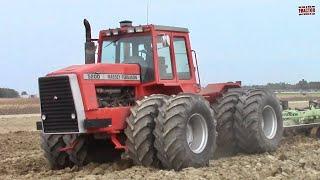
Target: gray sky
(252,41)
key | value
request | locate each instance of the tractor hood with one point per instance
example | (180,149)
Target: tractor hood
(91,77)
(102,73)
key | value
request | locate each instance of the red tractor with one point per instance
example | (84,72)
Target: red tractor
(142,98)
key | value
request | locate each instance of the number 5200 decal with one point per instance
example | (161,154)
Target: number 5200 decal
(96,76)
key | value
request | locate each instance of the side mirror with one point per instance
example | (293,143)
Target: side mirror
(165,40)
(90,52)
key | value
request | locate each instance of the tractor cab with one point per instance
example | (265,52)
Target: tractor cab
(163,53)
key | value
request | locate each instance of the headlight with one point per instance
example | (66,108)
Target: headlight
(43,117)
(73,116)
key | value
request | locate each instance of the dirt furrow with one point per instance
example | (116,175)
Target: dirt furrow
(297,158)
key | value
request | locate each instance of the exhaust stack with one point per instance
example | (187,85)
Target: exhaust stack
(88,30)
(125,23)
(89,46)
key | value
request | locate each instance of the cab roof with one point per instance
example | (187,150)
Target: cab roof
(170,28)
(127,27)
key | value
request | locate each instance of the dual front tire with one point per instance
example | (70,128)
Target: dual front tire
(139,131)
(176,132)
(185,132)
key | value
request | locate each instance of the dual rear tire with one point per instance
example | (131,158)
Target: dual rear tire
(248,121)
(224,108)
(258,122)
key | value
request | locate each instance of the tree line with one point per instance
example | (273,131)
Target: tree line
(302,85)
(8,93)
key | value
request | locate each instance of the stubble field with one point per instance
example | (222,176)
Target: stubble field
(19,106)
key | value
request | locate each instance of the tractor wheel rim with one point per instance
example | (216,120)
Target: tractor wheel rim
(197,133)
(269,123)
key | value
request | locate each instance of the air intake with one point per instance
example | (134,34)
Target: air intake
(125,23)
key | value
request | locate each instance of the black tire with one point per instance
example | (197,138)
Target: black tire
(171,128)
(140,125)
(51,144)
(103,151)
(79,154)
(249,119)
(224,109)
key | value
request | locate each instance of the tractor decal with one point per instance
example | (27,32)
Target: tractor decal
(127,77)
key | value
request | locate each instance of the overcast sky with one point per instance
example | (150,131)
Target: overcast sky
(252,41)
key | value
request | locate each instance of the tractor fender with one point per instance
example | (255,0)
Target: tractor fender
(212,91)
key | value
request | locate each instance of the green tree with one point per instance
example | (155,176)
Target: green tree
(303,84)
(24,93)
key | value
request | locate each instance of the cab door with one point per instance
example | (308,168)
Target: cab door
(184,67)
(164,57)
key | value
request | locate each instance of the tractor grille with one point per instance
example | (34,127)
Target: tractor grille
(57,105)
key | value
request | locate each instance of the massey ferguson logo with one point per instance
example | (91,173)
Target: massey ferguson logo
(126,77)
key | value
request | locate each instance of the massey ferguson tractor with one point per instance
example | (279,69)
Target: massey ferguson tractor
(138,95)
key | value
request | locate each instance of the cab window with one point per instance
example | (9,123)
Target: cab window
(181,57)
(130,50)
(164,64)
